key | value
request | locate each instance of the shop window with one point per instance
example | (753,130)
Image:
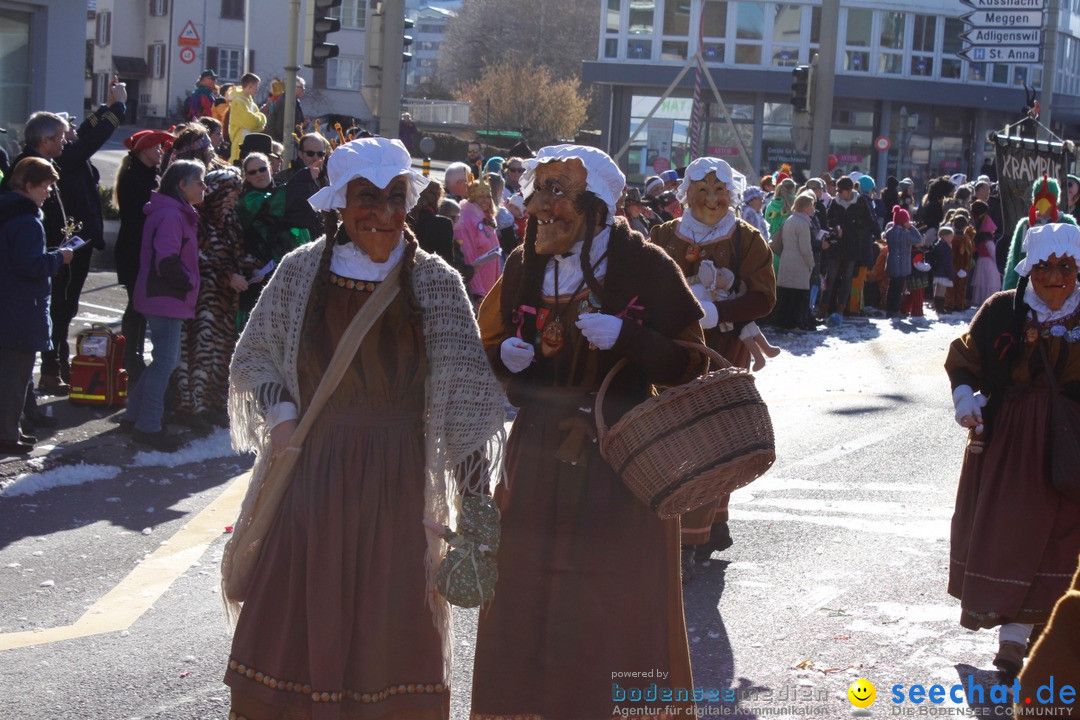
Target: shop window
(1001,74)
(614,10)
(891,63)
(714,19)
(922,39)
(787,24)
(892,30)
(858,27)
(677,18)
(750,21)
(670,50)
(950,69)
(922,65)
(857,61)
(641,18)
(785,56)
(747,54)
(976,72)
(639,50)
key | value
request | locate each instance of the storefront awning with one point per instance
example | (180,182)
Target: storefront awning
(129,66)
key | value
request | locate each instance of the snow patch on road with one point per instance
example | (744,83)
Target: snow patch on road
(213,446)
(30,483)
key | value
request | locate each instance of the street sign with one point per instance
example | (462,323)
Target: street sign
(1002,54)
(882,143)
(1005,4)
(188,36)
(187,55)
(1002,36)
(1004,18)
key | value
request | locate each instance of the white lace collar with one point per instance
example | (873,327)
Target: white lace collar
(1043,313)
(570,275)
(699,233)
(350,261)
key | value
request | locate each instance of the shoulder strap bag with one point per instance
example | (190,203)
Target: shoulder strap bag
(249,537)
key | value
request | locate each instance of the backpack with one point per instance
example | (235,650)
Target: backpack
(193,107)
(98,376)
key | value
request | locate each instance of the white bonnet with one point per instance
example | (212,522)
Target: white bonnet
(698,169)
(603,177)
(1042,241)
(380,160)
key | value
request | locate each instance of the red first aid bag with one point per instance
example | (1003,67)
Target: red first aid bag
(98,376)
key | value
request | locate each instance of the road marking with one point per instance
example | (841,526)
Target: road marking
(845,448)
(136,593)
(83,303)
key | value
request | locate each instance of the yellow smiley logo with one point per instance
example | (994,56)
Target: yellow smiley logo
(862,693)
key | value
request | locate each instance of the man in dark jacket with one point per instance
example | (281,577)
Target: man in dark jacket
(307,178)
(853,226)
(82,203)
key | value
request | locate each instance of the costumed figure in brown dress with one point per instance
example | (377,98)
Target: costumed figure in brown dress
(1015,537)
(707,239)
(581,293)
(341,619)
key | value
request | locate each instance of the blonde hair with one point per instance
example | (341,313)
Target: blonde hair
(804,200)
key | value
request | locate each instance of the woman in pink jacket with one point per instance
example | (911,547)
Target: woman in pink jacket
(475,233)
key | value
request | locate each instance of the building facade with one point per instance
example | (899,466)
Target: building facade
(430,23)
(898,77)
(159,48)
(40,69)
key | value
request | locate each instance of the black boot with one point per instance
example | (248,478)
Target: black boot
(939,305)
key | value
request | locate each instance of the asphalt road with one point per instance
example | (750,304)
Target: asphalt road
(838,569)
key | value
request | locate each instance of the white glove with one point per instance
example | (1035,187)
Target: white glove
(599,329)
(119,92)
(969,407)
(961,273)
(922,266)
(516,354)
(712,317)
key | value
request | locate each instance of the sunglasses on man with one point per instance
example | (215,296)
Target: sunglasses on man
(315,153)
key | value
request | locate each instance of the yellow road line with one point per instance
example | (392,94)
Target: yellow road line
(136,593)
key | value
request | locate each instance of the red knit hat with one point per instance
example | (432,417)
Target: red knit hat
(148,138)
(900,216)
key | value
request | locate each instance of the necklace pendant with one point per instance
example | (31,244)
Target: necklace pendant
(693,252)
(552,338)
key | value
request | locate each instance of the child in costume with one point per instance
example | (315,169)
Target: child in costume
(941,261)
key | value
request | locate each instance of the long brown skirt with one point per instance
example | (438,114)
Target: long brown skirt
(337,625)
(588,589)
(1014,538)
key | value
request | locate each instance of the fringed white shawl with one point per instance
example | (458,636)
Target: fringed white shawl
(464,417)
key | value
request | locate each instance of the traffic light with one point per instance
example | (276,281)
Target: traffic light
(319,24)
(407,41)
(801,77)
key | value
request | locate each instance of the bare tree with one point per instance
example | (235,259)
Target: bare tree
(527,98)
(555,34)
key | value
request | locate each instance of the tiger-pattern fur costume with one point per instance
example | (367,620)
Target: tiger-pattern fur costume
(208,339)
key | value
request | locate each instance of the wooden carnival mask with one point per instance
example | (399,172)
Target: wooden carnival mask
(709,199)
(559,223)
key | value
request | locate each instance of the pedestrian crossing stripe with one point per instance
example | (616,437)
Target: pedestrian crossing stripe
(135,594)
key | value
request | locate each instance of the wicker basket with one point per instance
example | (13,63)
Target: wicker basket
(692,443)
